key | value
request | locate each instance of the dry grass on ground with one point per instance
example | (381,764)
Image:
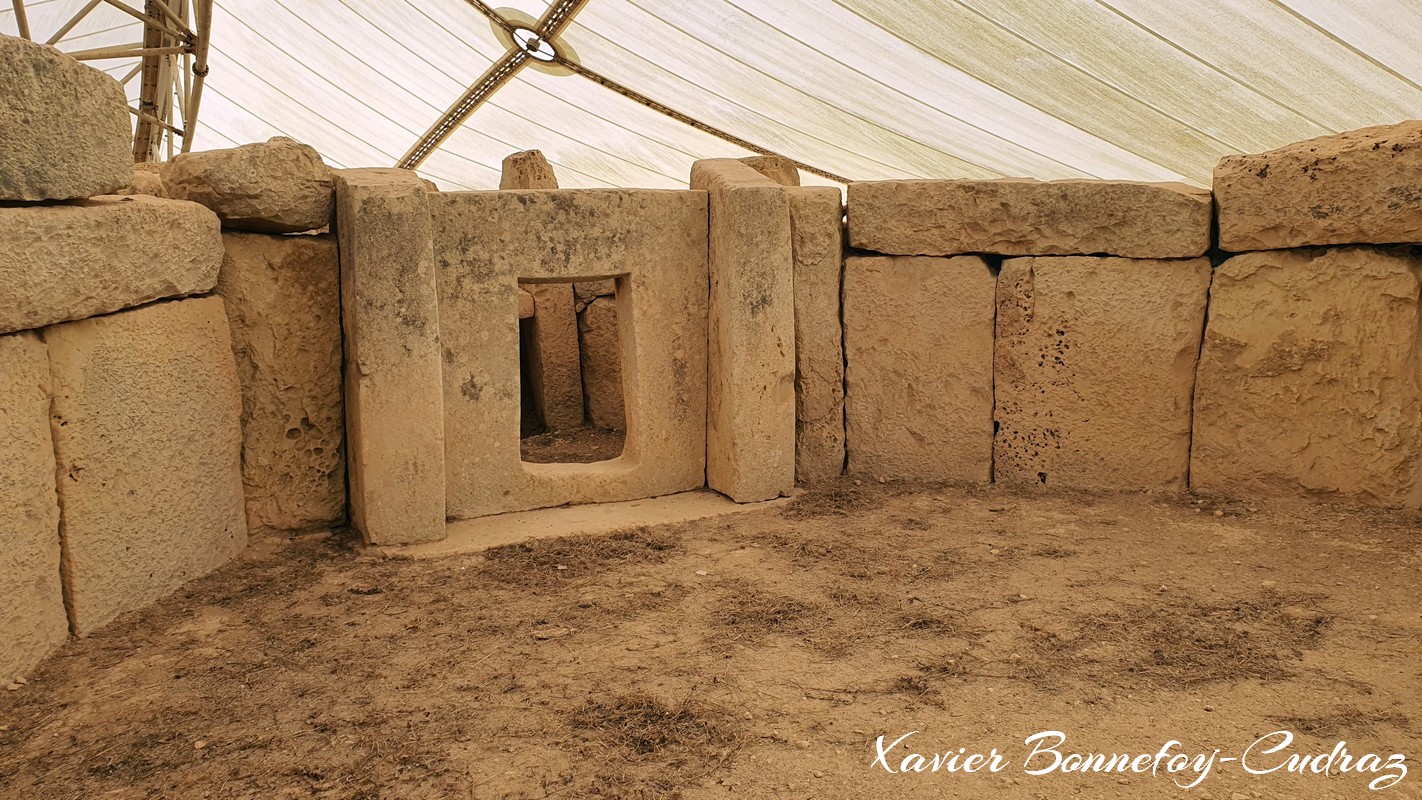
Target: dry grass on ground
(752,656)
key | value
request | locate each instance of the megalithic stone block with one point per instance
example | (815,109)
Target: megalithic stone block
(816,221)
(148,441)
(918,340)
(750,447)
(555,366)
(32,617)
(394,399)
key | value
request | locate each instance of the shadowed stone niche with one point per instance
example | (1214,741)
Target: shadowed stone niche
(653,244)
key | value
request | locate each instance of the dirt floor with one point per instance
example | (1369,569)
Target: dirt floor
(578,446)
(760,656)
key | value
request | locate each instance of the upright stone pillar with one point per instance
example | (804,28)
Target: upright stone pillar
(750,447)
(394,394)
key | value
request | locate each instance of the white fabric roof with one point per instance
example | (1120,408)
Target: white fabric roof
(867,89)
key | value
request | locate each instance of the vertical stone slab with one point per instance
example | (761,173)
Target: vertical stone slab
(283,299)
(394,397)
(602,363)
(32,618)
(750,447)
(918,341)
(148,441)
(555,367)
(816,224)
(1095,370)
(1308,379)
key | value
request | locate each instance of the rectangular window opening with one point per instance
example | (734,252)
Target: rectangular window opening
(570,372)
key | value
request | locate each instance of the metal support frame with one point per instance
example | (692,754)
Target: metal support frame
(171,64)
(554,21)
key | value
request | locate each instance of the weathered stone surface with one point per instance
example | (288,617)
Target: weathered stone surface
(1308,379)
(585,292)
(750,448)
(147,428)
(654,242)
(1019,217)
(63,262)
(1360,187)
(527,170)
(32,619)
(1095,370)
(283,301)
(64,130)
(918,340)
(525,303)
(394,404)
(602,363)
(146,180)
(277,186)
(777,168)
(815,223)
(553,361)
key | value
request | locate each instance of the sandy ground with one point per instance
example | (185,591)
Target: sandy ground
(760,656)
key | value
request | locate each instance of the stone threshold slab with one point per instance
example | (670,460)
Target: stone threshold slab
(476,535)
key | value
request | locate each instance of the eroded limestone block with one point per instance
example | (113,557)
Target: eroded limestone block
(146,180)
(654,243)
(815,223)
(394,404)
(32,619)
(1095,370)
(585,292)
(282,295)
(918,341)
(750,448)
(147,428)
(1360,187)
(1019,217)
(1308,379)
(525,304)
(602,363)
(777,168)
(527,170)
(70,261)
(277,186)
(64,129)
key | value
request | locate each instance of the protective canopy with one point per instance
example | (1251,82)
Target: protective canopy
(863,89)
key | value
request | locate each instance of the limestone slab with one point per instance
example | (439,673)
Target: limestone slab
(654,243)
(816,225)
(918,342)
(1308,380)
(1094,370)
(525,304)
(390,315)
(64,126)
(147,428)
(601,345)
(32,617)
(64,262)
(1360,187)
(750,449)
(282,295)
(277,186)
(1020,217)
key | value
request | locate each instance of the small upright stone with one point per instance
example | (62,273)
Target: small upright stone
(64,130)
(1360,187)
(278,186)
(602,363)
(527,170)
